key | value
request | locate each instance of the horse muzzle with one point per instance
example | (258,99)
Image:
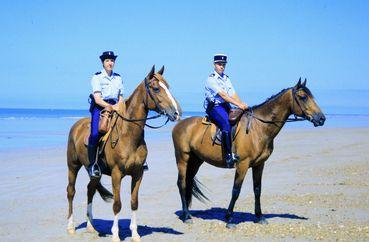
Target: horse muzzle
(174,116)
(318,119)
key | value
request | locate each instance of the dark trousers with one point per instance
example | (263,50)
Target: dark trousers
(219,115)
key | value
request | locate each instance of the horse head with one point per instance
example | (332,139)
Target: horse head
(304,105)
(160,98)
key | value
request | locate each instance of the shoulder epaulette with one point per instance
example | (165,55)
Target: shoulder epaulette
(98,73)
(226,75)
(212,74)
(116,74)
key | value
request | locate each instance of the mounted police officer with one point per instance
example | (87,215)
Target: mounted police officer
(107,90)
(219,95)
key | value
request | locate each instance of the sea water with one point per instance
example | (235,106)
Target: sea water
(44,128)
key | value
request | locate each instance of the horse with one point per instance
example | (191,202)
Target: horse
(125,151)
(193,145)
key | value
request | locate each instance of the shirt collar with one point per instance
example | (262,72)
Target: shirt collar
(106,74)
(219,76)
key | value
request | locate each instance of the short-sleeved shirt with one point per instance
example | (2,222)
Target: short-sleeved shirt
(213,85)
(110,87)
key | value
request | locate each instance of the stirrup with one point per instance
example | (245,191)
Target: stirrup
(231,159)
(235,157)
(94,171)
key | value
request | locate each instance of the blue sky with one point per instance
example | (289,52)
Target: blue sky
(50,49)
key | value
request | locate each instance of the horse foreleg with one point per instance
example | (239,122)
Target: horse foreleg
(91,190)
(257,173)
(72,176)
(116,178)
(136,181)
(238,180)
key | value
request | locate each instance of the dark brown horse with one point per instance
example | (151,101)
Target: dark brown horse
(125,150)
(254,147)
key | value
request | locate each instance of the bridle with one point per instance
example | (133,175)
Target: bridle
(157,107)
(159,110)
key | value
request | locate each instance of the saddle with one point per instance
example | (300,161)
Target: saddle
(216,134)
(105,119)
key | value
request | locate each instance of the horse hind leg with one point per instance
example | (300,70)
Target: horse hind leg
(193,185)
(91,190)
(182,162)
(73,168)
(187,169)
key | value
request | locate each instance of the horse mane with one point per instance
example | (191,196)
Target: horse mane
(272,97)
(304,88)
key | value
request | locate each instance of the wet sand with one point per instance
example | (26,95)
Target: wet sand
(315,187)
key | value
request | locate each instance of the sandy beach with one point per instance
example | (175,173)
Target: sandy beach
(315,187)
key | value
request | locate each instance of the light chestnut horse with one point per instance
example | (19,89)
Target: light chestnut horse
(193,145)
(125,150)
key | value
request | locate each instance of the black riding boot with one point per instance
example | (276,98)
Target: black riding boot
(93,168)
(229,157)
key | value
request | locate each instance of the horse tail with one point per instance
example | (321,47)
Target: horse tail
(196,188)
(105,194)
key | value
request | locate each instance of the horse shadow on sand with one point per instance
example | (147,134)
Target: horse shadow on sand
(217,213)
(103,227)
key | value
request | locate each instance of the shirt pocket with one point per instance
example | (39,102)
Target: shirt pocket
(105,88)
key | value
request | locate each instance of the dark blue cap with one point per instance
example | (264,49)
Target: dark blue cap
(108,55)
(220,58)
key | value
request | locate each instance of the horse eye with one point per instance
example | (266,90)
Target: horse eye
(303,97)
(156,89)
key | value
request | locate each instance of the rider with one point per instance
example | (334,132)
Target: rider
(107,89)
(219,94)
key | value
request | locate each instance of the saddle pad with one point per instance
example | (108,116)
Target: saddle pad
(215,132)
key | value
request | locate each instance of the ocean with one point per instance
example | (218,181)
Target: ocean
(44,128)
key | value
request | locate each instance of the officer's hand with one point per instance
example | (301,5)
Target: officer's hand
(243,106)
(115,107)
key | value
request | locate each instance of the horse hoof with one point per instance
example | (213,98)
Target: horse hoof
(71,231)
(91,229)
(115,239)
(188,221)
(262,220)
(136,239)
(231,226)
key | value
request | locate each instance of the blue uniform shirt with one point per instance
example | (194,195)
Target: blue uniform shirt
(109,86)
(213,85)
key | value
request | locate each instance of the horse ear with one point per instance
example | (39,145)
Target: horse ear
(161,71)
(151,73)
(304,83)
(298,85)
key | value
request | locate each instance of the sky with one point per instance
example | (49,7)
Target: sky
(50,49)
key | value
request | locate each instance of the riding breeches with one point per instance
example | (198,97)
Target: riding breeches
(219,115)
